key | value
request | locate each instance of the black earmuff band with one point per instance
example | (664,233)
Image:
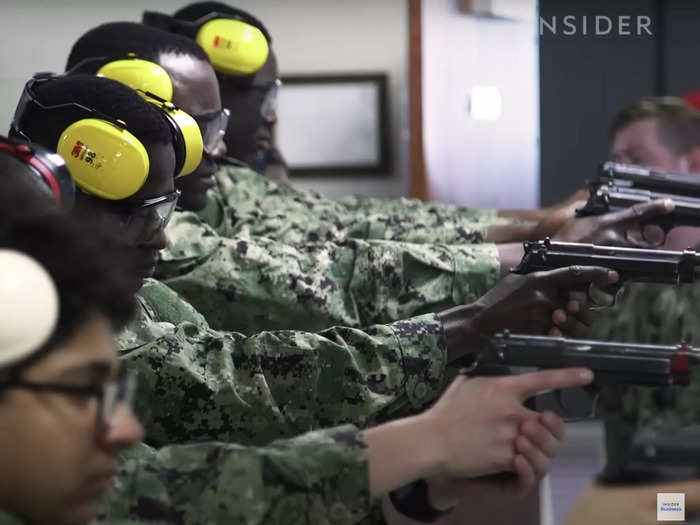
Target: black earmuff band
(190,28)
(178,141)
(30,122)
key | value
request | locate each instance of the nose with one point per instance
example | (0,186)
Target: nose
(158,241)
(218,151)
(124,431)
(270,117)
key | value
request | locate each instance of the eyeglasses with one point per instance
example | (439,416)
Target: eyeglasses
(269,105)
(143,222)
(109,395)
(213,127)
(267,92)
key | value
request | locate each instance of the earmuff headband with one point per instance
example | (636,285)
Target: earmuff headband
(237,44)
(190,28)
(103,157)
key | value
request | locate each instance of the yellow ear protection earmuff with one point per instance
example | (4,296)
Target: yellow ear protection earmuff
(236,43)
(47,165)
(103,157)
(187,137)
(154,84)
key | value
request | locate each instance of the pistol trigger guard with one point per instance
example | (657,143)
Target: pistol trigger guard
(618,292)
(595,306)
(665,227)
(560,401)
(467,370)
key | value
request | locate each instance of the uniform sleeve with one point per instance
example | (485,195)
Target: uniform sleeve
(200,384)
(255,206)
(319,477)
(371,205)
(254,284)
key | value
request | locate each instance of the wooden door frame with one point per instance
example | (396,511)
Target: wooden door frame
(418,181)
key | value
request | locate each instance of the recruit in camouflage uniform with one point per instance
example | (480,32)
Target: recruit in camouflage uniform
(319,477)
(246,202)
(199,384)
(250,284)
(653,314)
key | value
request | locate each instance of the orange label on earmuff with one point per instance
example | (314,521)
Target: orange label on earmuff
(220,41)
(85,154)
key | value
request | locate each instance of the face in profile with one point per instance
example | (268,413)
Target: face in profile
(132,222)
(248,129)
(58,447)
(196,91)
(640,143)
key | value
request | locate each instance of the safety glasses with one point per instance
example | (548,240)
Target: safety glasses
(269,105)
(146,220)
(140,223)
(213,128)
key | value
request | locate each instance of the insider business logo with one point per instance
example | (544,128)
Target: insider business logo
(596,25)
(670,506)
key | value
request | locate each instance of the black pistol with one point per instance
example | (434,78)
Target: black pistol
(641,178)
(620,186)
(627,364)
(631,264)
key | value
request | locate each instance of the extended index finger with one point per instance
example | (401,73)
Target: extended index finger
(527,385)
(640,212)
(575,276)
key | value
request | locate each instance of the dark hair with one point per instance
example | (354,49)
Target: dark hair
(107,96)
(117,39)
(678,123)
(197,10)
(86,267)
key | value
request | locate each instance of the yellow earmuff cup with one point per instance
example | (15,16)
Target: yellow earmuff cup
(194,144)
(104,160)
(140,74)
(234,47)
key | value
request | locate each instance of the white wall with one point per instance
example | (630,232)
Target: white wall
(327,36)
(324,36)
(480,163)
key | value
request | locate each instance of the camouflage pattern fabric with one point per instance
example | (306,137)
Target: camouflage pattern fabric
(654,314)
(8,519)
(319,477)
(253,284)
(246,203)
(199,384)
(370,205)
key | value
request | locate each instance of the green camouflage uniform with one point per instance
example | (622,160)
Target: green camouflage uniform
(403,205)
(246,203)
(198,384)
(319,477)
(250,284)
(654,314)
(8,519)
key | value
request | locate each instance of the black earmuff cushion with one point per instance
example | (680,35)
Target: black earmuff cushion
(178,141)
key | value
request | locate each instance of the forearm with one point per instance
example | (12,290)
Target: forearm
(251,285)
(398,455)
(509,256)
(524,215)
(200,384)
(520,231)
